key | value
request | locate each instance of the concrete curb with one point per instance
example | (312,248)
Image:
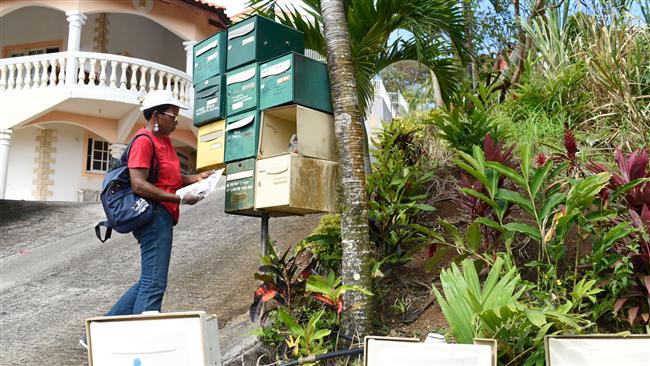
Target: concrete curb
(239,344)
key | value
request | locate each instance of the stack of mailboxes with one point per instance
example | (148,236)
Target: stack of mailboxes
(264,112)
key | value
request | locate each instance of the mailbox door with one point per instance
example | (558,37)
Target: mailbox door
(209,100)
(240,186)
(209,58)
(276,82)
(242,42)
(210,146)
(242,136)
(242,89)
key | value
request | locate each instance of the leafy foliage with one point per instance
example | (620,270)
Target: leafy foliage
(467,120)
(394,195)
(499,309)
(436,26)
(283,278)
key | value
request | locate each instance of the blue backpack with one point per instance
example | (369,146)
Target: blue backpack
(125,211)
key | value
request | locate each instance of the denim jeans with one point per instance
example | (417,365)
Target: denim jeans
(155,241)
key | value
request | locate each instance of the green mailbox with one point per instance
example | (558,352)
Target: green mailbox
(210,100)
(242,89)
(242,136)
(295,79)
(240,187)
(260,39)
(209,58)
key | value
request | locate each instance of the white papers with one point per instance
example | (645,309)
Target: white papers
(202,188)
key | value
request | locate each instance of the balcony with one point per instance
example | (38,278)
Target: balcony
(31,85)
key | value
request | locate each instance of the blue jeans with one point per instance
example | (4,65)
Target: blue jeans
(155,241)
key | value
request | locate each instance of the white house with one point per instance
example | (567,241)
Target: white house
(71,75)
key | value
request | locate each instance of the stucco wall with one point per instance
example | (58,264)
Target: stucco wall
(21,164)
(138,36)
(143,38)
(33,24)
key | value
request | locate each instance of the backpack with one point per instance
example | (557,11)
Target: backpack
(125,211)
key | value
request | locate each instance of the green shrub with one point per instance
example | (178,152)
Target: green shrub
(468,119)
(394,194)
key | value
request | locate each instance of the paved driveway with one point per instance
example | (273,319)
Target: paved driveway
(54,273)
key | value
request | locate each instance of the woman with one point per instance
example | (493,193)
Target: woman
(160,109)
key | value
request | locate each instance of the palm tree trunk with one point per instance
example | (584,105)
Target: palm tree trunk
(437,94)
(355,267)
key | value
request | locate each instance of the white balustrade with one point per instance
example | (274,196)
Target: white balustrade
(92,69)
(102,72)
(82,74)
(3,77)
(62,64)
(19,76)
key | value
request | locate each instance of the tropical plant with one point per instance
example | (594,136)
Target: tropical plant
(501,309)
(467,120)
(395,197)
(325,244)
(552,210)
(624,252)
(283,278)
(436,27)
(329,290)
(304,338)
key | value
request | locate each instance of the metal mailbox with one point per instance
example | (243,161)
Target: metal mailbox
(295,184)
(313,130)
(295,79)
(209,58)
(183,338)
(242,136)
(242,89)
(240,188)
(210,100)
(260,39)
(210,146)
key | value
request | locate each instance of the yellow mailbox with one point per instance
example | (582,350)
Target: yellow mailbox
(210,146)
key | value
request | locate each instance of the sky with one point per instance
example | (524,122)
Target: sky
(234,7)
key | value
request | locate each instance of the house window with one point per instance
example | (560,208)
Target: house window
(98,156)
(29,49)
(185,163)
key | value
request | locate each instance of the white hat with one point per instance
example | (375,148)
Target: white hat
(160,97)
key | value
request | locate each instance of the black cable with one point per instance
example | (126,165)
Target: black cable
(325,356)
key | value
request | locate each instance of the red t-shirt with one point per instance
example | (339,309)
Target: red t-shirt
(169,167)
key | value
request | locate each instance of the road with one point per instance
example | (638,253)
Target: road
(54,273)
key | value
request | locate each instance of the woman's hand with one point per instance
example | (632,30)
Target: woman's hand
(206,174)
(190,199)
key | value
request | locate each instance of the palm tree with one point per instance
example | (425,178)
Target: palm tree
(355,266)
(436,26)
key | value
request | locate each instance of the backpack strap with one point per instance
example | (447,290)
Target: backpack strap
(153,165)
(98,231)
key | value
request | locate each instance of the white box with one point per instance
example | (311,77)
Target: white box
(597,350)
(292,183)
(386,351)
(161,339)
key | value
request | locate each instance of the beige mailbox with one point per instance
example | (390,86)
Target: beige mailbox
(296,184)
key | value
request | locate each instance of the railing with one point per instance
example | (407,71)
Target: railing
(91,70)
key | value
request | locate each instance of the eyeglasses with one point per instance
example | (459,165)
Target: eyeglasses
(173,116)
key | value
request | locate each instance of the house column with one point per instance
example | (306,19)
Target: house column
(189,54)
(5,143)
(116,150)
(76,20)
